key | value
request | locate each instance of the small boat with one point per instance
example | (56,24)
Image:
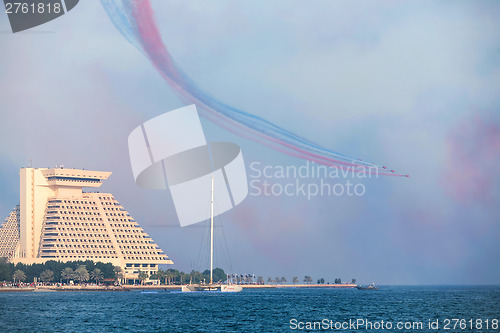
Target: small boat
(370,287)
(211,287)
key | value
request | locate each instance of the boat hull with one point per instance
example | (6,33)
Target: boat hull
(367,288)
(232,288)
(224,288)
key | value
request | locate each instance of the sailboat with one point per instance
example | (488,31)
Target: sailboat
(213,287)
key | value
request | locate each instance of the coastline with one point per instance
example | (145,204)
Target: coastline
(254,286)
(165,287)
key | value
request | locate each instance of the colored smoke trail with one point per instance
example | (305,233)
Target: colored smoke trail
(135,21)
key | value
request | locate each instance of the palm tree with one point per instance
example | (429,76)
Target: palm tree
(260,280)
(277,280)
(269,280)
(143,276)
(195,276)
(97,275)
(118,273)
(82,274)
(174,275)
(67,274)
(162,275)
(47,275)
(182,275)
(307,279)
(168,276)
(19,276)
(283,280)
(295,280)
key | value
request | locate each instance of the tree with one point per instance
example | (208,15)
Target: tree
(19,275)
(295,280)
(338,281)
(67,274)
(172,275)
(168,276)
(107,269)
(322,281)
(277,280)
(283,280)
(183,276)
(353,281)
(218,274)
(308,279)
(162,275)
(143,276)
(195,277)
(260,280)
(47,275)
(6,271)
(82,274)
(118,273)
(97,275)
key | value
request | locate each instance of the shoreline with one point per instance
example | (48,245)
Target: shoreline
(165,287)
(260,286)
(254,286)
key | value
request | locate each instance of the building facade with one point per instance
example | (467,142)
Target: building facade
(57,220)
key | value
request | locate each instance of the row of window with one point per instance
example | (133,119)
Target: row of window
(96,231)
(51,201)
(138,247)
(125,221)
(79,246)
(115,214)
(112,208)
(84,224)
(126,230)
(72,212)
(71,179)
(48,256)
(81,251)
(132,241)
(139,265)
(76,257)
(81,240)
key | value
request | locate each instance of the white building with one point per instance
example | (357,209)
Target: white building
(56,220)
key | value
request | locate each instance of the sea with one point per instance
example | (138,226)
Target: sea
(389,309)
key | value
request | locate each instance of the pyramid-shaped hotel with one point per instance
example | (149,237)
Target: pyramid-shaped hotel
(57,220)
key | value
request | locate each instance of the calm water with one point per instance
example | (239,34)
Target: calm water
(248,311)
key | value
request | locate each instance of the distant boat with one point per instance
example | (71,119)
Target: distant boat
(212,287)
(370,287)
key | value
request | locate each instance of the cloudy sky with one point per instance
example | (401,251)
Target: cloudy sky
(414,86)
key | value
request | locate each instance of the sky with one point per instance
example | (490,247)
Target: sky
(414,86)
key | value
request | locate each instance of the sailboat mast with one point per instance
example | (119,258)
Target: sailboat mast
(212,234)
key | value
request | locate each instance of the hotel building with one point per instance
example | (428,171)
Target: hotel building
(57,220)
